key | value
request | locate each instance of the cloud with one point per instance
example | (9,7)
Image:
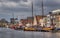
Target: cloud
(21,6)
(24,6)
(15,3)
(10,0)
(52,3)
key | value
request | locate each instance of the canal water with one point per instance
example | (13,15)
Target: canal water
(10,33)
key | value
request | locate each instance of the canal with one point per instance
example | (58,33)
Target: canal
(9,33)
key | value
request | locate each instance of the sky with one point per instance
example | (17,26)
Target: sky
(22,8)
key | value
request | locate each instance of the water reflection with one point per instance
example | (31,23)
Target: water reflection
(8,33)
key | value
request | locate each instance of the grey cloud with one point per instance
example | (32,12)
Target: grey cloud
(49,4)
(16,10)
(12,0)
(21,9)
(25,0)
(18,0)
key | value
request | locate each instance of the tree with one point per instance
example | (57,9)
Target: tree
(3,21)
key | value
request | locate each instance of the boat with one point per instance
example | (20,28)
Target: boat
(47,29)
(29,29)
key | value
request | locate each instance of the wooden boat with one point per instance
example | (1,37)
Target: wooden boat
(29,29)
(47,29)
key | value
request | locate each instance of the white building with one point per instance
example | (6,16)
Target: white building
(56,16)
(48,20)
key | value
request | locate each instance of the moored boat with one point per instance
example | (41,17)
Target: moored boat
(29,29)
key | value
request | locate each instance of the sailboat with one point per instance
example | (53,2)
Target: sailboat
(35,21)
(31,28)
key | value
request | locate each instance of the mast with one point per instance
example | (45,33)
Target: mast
(42,10)
(32,19)
(32,13)
(13,17)
(42,13)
